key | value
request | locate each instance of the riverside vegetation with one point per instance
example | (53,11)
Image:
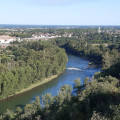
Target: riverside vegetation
(97,99)
(22,66)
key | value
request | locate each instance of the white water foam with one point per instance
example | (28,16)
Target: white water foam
(74,69)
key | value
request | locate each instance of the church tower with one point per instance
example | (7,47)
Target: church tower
(99,30)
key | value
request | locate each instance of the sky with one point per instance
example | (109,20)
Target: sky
(60,12)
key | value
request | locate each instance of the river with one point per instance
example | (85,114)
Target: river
(76,68)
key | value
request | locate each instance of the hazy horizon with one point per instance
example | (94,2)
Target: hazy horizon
(56,25)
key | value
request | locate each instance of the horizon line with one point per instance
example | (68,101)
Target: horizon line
(56,25)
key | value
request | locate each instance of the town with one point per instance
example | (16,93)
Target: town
(33,33)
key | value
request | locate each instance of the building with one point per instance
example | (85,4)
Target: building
(99,30)
(5,39)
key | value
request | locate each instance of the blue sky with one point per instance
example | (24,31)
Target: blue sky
(60,12)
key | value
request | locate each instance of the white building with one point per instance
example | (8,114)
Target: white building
(7,39)
(99,30)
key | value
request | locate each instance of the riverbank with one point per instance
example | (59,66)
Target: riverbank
(66,77)
(31,86)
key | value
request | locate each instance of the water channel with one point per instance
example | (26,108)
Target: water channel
(76,68)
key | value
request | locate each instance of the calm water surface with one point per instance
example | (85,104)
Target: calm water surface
(76,68)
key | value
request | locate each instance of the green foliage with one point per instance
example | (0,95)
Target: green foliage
(29,65)
(80,48)
(77,83)
(97,116)
(97,99)
(9,115)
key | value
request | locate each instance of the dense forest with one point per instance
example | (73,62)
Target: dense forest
(97,99)
(23,65)
(97,53)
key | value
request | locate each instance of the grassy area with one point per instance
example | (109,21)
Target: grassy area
(104,44)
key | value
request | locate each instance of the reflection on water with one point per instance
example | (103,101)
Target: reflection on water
(75,69)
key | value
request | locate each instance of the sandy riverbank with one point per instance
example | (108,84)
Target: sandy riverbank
(32,86)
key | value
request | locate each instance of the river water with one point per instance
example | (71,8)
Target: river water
(76,68)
